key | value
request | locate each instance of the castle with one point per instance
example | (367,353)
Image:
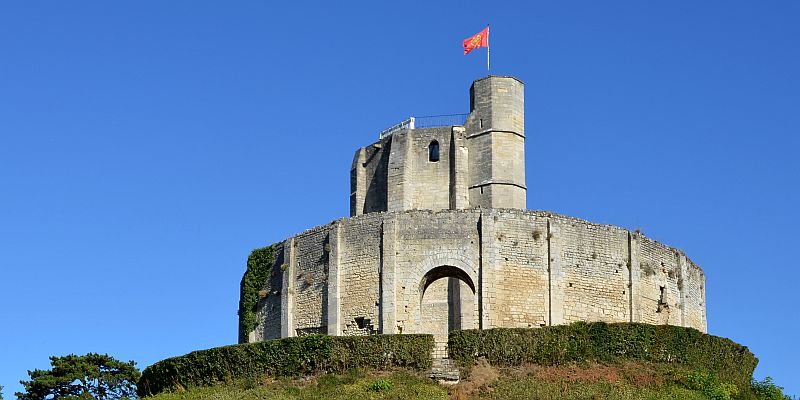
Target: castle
(439,239)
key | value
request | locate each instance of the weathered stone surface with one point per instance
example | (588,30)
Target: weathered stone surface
(445,371)
(477,268)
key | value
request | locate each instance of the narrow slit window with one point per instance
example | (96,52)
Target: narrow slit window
(662,303)
(433,151)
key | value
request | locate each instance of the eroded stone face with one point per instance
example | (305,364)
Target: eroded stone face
(483,269)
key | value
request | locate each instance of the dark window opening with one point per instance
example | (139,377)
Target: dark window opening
(433,151)
(361,322)
(662,303)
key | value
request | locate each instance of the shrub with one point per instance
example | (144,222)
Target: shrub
(602,342)
(287,357)
(708,384)
(380,385)
(381,352)
(767,390)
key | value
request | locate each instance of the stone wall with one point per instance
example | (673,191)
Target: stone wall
(429,181)
(426,240)
(368,178)
(310,281)
(669,294)
(360,252)
(693,288)
(523,285)
(417,271)
(593,261)
(269,304)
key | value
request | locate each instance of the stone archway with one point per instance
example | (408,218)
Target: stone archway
(447,301)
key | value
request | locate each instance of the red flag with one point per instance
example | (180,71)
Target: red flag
(481,39)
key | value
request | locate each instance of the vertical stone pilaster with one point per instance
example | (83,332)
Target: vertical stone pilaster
(681,284)
(358,183)
(556,274)
(409,168)
(490,263)
(634,288)
(704,328)
(334,311)
(388,277)
(459,174)
(400,182)
(288,291)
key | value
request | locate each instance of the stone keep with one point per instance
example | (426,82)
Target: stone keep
(481,164)
(439,239)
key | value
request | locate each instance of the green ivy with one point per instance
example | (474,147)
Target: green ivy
(259,266)
(287,357)
(603,342)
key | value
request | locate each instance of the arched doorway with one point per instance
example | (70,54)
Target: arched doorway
(447,302)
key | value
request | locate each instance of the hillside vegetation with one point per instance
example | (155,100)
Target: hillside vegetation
(591,381)
(579,361)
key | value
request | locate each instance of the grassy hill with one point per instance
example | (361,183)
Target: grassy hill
(591,381)
(580,361)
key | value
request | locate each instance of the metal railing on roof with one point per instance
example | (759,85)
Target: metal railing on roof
(428,121)
(435,121)
(405,124)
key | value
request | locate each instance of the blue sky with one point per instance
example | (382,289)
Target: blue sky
(146,147)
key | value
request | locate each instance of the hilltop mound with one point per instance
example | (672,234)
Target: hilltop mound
(583,360)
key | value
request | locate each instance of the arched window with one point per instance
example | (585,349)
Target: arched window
(433,151)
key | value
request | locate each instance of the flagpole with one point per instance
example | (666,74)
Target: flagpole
(487,50)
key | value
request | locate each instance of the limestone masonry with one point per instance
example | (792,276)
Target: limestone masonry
(439,239)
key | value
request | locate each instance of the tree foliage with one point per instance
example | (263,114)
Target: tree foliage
(91,376)
(768,390)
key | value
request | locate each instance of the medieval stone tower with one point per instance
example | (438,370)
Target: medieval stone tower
(439,238)
(480,164)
